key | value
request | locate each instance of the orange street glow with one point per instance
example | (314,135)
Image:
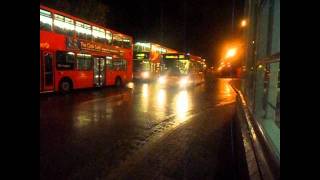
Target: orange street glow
(231,52)
(243,23)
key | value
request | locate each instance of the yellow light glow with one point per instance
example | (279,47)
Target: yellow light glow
(183,82)
(162,80)
(161,98)
(227,90)
(181,56)
(231,52)
(243,23)
(145,75)
(171,57)
(145,90)
(145,98)
(182,105)
(130,85)
(161,103)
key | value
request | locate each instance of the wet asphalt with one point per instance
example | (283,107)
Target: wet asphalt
(141,131)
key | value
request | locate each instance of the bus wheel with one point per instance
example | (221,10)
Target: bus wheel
(118,82)
(65,86)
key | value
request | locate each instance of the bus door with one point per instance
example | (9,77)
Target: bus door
(46,71)
(99,72)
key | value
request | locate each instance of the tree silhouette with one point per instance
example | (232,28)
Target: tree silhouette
(90,10)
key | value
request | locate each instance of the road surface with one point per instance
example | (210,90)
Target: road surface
(139,132)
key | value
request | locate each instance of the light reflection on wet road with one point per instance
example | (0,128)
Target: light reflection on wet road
(87,134)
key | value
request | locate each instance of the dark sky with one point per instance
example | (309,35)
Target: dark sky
(197,26)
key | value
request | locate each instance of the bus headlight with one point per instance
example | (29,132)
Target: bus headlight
(145,75)
(183,82)
(162,80)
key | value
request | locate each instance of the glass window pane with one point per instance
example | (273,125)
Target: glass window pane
(63,25)
(69,24)
(45,20)
(126,43)
(109,36)
(117,41)
(84,62)
(83,30)
(65,61)
(99,34)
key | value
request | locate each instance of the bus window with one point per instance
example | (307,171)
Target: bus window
(45,20)
(119,65)
(83,30)
(109,62)
(126,43)
(99,35)
(84,62)
(142,46)
(65,61)
(117,41)
(109,37)
(63,25)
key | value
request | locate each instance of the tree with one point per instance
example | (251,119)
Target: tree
(90,10)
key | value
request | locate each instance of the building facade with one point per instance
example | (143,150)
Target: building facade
(261,84)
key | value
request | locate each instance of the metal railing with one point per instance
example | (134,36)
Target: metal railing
(268,162)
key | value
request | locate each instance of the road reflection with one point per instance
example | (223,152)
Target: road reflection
(227,90)
(145,97)
(161,102)
(116,122)
(182,103)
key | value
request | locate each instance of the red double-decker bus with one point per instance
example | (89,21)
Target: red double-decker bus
(75,53)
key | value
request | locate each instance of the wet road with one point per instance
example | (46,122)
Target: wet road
(138,132)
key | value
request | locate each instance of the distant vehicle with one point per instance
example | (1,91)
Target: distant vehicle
(180,69)
(75,53)
(146,60)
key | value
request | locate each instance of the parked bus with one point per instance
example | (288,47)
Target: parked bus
(75,53)
(181,70)
(146,60)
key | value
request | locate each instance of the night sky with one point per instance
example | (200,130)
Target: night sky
(196,26)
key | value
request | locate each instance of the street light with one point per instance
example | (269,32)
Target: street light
(243,23)
(231,52)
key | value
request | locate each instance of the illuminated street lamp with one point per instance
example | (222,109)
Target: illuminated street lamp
(231,52)
(243,23)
